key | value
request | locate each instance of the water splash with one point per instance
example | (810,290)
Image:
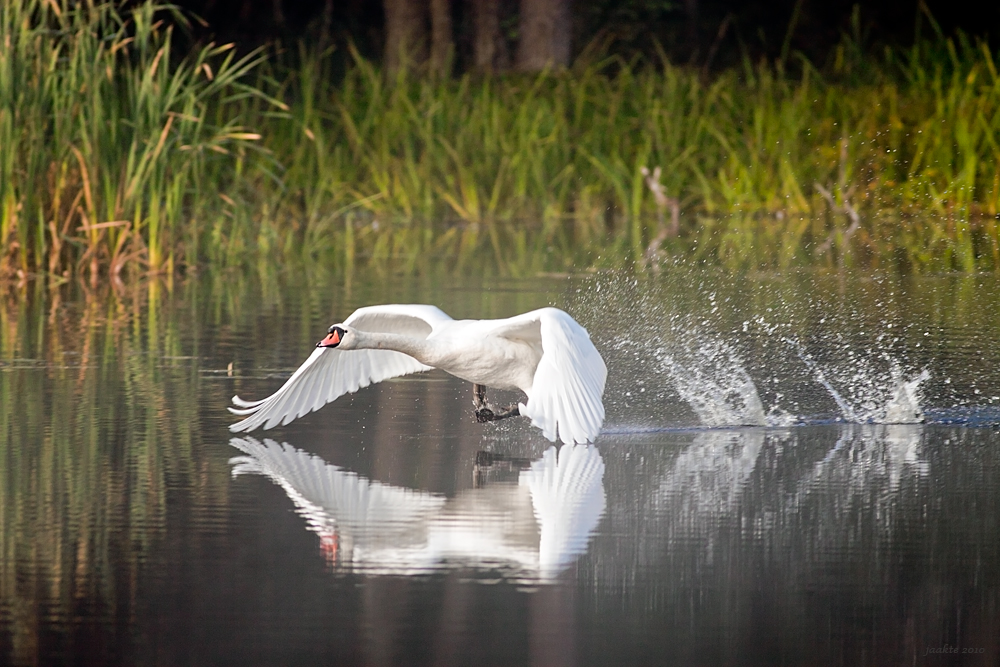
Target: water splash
(873,397)
(904,406)
(685,343)
(716,386)
(710,376)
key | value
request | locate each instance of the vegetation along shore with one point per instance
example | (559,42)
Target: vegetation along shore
(123,154)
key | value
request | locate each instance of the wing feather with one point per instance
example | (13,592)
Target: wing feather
(566,396)
(246,404)
(329,373)
(408,319)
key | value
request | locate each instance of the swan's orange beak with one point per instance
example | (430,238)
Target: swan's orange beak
(332,340)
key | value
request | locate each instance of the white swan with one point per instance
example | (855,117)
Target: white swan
(544,353)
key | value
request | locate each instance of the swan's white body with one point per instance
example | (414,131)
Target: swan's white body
(543,353)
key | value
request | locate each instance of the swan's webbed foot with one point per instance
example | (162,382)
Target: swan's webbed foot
(486,414)
(490,413)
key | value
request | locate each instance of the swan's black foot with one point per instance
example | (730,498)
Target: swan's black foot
(490,413)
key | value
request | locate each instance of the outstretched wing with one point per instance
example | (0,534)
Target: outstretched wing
(407,319)
(565,398)
(329,373)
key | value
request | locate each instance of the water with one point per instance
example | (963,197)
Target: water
(798,469)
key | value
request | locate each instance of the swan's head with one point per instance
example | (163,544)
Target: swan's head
(334,338)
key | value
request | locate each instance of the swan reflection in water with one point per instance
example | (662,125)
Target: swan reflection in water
(533,529)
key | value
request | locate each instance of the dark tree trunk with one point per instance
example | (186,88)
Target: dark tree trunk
(442,42)
(279,14)
(405,33)
(545,28)
(693,37)
(325,22)
(489,47)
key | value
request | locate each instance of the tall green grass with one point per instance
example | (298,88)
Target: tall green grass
(114,148)
(546,172)
(117,152)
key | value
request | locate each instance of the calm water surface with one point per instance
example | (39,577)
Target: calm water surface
(747,504)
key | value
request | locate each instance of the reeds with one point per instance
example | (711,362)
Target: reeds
(889,162)
(884,160)
(113,147)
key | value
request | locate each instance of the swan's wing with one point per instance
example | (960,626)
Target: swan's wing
(407,319)
(567,493)
(329,373)
(565,397)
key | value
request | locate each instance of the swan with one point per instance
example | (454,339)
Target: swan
(544,353)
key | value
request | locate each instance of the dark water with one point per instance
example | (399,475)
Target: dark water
(390,528)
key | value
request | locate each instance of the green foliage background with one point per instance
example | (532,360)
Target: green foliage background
(120,156)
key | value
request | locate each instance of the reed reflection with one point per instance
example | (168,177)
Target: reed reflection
(531,528)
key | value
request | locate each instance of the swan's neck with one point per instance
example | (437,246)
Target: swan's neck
(420,349)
